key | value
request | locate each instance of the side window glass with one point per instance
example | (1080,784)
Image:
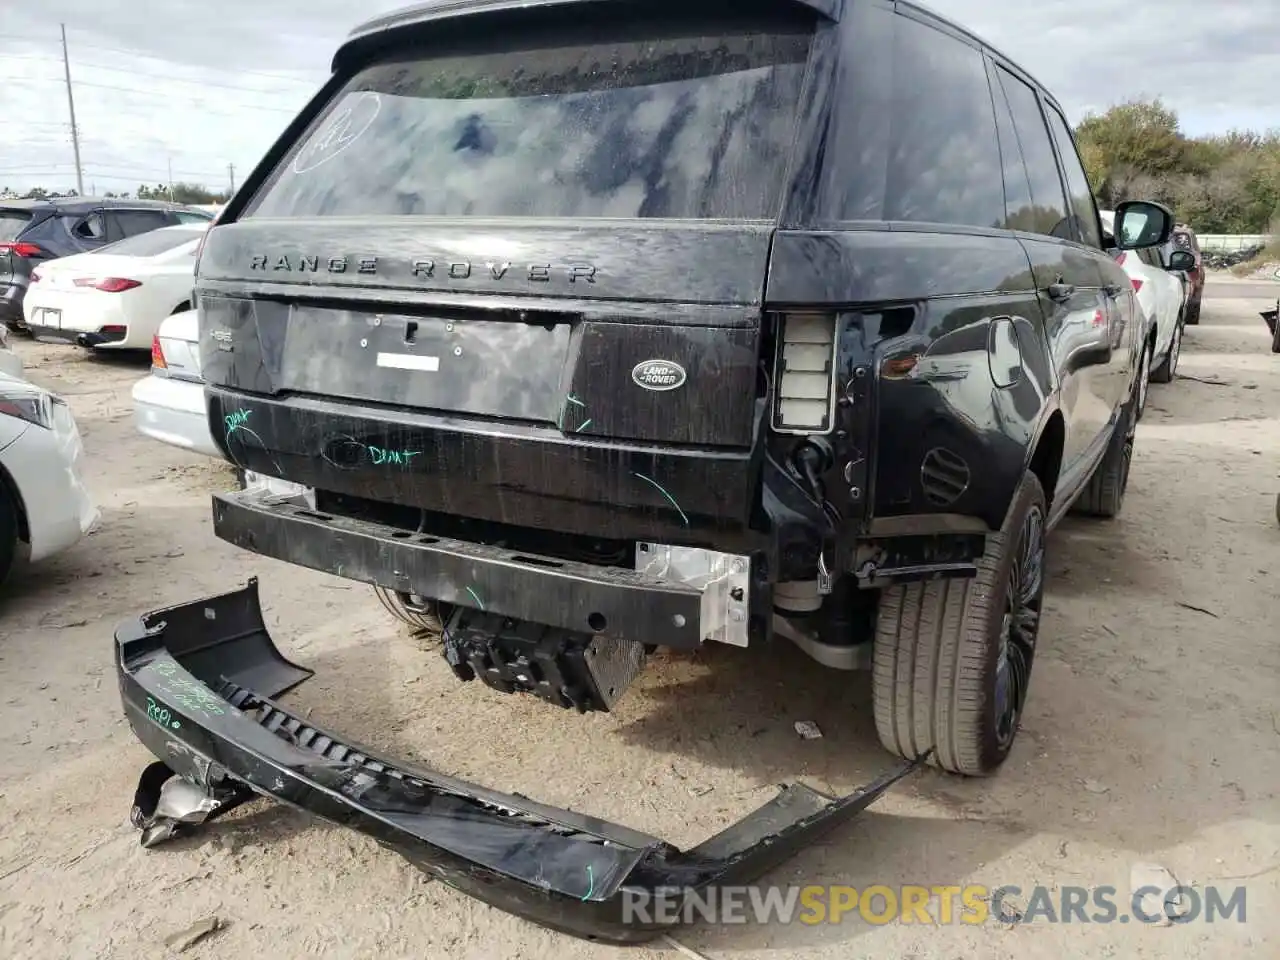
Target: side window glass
(1049,205)
(133,222)
(91,227)
(1018,208)
(1081,194)
(944,160)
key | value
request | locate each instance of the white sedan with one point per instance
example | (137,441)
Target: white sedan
(168,404)
(44,505)
(1162,295)
(115,297)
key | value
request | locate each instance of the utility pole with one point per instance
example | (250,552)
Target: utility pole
(231,176)
(171,179)
(71,105)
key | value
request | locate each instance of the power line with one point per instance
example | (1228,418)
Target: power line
(149,56)
(99,176)
(124,168)
(144,73)
(137,92)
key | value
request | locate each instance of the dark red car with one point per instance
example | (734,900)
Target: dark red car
(1184,238)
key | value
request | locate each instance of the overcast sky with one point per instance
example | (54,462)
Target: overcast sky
(209,83)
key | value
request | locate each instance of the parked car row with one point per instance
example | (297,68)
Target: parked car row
(1168,280)
(34,233)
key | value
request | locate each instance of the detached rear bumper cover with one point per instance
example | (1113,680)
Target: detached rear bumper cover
(197,682)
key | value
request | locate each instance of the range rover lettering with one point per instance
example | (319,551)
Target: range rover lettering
(582,329)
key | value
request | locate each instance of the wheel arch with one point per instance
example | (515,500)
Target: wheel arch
(1047,452)
(9,488)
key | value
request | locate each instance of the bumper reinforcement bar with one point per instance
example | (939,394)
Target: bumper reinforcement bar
(610,601)
(199,682)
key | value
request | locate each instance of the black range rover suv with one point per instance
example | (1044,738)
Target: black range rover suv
(597,327)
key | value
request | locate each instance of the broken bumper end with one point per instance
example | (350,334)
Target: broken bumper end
(198,683)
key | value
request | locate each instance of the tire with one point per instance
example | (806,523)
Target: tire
(1193,314)
(945,675)
(421,615)
(8,534)
(1275,338)
(1144,379)
(1169,366)
(1103,495)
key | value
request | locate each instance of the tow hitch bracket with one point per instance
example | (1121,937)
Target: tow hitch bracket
(199,684)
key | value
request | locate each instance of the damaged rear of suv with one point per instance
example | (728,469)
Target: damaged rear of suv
(603,327)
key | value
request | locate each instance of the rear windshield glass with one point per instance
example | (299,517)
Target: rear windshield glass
(12,223)
(150,244)
(697,125)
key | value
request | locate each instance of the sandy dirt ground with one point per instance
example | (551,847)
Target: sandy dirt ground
(1153,731)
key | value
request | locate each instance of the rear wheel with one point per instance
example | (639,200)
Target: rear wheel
(952,661)
(1144,378)
(1193,313)
(8,533)
(1103,495)
(1169,367)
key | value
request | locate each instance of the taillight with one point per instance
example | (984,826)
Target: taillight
(1137,284)
(35,276)
(23,249)
(803,373)
(108,284)
(157,355)
(1121,258)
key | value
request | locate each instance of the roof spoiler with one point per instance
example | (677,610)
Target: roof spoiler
(371,33)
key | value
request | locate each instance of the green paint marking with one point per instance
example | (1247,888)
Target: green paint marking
(383,455)
(662,490)
(236,420)
(476,597)
(162,716)
(583,427)
(591,883)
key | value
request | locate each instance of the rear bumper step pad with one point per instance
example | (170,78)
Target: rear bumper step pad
(198,682)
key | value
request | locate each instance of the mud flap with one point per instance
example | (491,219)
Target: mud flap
(198,683)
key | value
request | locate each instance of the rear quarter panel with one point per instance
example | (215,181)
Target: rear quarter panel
(950,326)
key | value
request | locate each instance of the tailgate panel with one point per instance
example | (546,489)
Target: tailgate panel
(507,370)
(588,377)
(658,261)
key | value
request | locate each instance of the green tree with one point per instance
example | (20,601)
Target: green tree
(1227,183)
